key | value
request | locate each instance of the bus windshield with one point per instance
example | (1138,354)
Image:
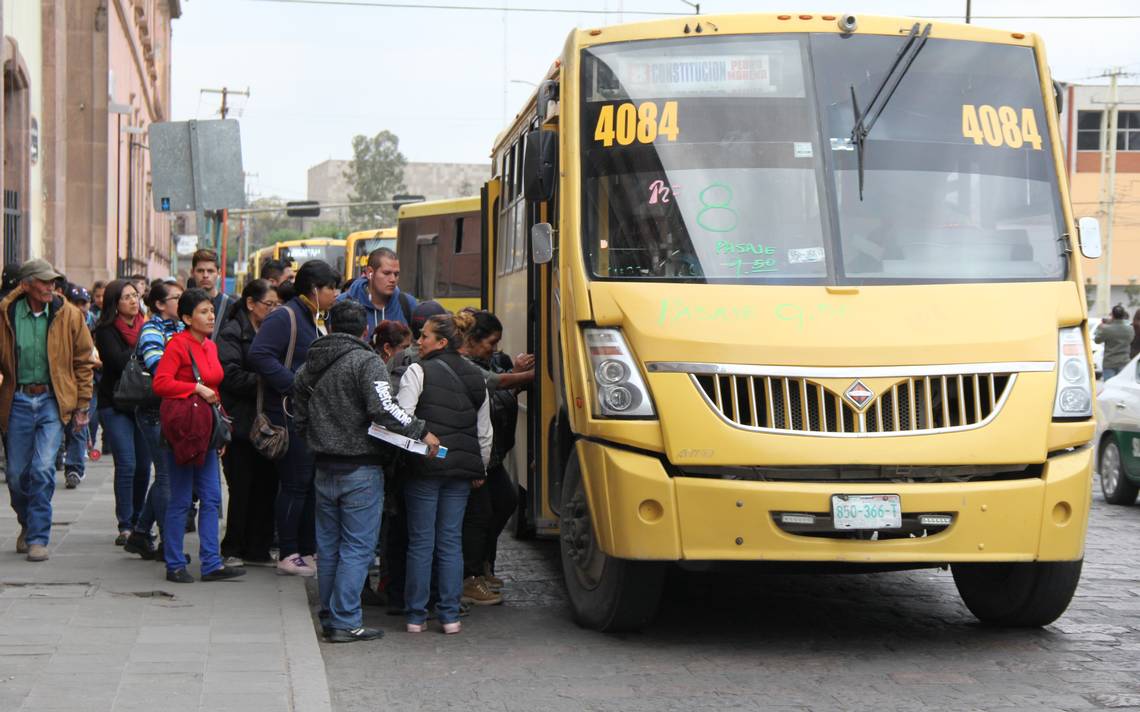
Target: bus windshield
(300,254)
(729,159)
(366,245)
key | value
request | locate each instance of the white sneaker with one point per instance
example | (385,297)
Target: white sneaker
(234,562)
(294,566)
(311,561)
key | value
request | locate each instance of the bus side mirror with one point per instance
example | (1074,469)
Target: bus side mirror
(1089,231)
(541,243)
(540,159)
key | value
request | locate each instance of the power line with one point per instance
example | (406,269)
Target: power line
(580,11)
(1032,17)
(477,8)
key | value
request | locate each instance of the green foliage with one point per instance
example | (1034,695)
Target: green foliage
(376,173)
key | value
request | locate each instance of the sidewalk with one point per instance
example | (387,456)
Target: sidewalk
(95,629)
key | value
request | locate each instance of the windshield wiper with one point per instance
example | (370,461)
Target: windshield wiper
(865,120)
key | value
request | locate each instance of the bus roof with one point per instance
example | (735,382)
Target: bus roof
(763,23)
(440,207)
(365,234)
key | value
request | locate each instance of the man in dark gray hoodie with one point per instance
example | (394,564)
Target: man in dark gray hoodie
(339,392)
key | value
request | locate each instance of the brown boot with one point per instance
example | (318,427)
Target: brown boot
(475,591)
(37,552)
(22,541)
(493,582)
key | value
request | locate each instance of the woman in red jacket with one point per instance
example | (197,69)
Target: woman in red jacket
(174,380)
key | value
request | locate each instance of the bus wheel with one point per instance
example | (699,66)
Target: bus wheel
(1021,595)
(606,594)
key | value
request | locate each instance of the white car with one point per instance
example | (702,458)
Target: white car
(1118,435)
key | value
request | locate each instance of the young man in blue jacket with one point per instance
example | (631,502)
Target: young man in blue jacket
(378,292)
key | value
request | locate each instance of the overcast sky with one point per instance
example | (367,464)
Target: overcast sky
(444,80)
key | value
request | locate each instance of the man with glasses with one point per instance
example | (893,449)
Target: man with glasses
(46,365)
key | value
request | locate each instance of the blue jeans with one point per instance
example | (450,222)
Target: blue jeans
(349,501)
(75,456)
(1109,373)
(435,524)
(185,480)
(93,414)
(157,497)
(35,433)
(295,499)
(132,464)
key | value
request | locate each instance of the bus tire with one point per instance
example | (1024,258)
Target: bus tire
(1018,595)
(606,594)
(1114,482)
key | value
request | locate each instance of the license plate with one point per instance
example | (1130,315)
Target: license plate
(866,511)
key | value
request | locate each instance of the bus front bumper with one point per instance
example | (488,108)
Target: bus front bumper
(642,513)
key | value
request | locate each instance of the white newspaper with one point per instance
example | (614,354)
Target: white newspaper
(402,441)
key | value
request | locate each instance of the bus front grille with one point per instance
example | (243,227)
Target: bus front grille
(911,405)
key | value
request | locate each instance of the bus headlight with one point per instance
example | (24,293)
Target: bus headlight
(619,391)
(1074,387)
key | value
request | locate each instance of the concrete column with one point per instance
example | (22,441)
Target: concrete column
(89,253)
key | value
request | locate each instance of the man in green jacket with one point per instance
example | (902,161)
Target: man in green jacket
(46,370)
(1116,334)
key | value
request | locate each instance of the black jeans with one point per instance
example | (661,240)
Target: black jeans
(489,508)
(252,483)
(394,538)
(296,522)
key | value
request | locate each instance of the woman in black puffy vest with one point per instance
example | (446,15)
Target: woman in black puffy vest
(450,394)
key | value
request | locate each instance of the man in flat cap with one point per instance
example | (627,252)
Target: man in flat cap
(47,367)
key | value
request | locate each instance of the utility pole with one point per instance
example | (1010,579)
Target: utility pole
(1108,188)
(220,218)
(225,92)
(967,12)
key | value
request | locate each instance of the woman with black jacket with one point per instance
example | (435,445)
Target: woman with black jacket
(116,335)
(450,394)
(291,329)
(250,478)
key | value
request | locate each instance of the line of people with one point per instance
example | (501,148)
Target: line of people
(276,388)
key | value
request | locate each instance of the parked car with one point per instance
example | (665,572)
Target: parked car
(1118,441)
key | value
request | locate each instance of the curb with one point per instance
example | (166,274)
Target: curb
(305,667)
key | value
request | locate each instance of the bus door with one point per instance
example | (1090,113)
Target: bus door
(543,319)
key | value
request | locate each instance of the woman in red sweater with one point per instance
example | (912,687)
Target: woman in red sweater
(174,379)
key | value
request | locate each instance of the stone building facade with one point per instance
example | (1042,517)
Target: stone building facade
(82,81)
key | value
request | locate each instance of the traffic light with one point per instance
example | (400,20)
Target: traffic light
(303,209)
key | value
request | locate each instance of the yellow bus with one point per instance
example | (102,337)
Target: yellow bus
(801,289)
(440,247)
(298,252)
(253,267)
(360,244)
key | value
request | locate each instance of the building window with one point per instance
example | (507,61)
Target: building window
(1127,130)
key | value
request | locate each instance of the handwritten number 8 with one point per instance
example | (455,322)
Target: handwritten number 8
(722,218)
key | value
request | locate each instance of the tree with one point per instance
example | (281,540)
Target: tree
(1133,293)
(376,173)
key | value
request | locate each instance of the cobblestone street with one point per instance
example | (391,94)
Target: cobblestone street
(749,641)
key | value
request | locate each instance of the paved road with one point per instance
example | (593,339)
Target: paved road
(889,641)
